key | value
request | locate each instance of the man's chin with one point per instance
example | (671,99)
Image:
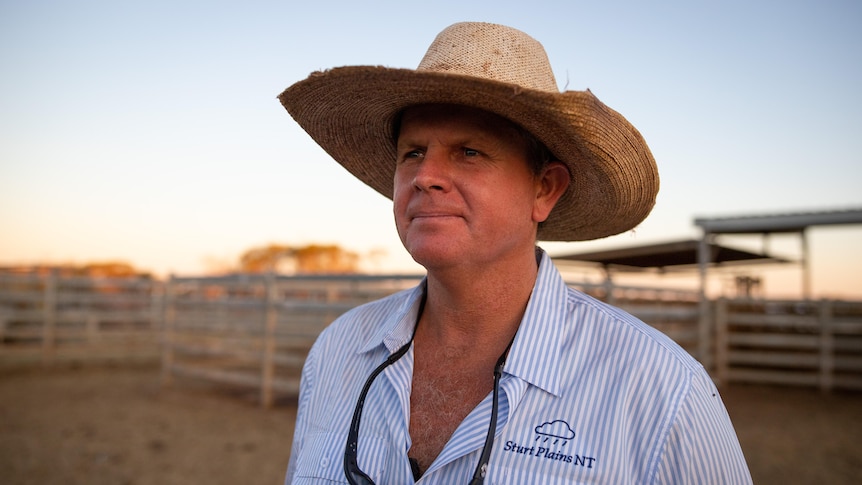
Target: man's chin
(436,256)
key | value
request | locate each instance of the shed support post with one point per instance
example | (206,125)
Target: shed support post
(703,338)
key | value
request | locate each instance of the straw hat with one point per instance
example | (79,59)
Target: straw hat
(350,112)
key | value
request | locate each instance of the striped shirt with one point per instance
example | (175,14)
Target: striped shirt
(589,394)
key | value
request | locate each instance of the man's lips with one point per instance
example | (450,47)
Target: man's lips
(435,215)
(429,220)
(432,214)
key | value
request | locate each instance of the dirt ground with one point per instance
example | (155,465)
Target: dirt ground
(102,425)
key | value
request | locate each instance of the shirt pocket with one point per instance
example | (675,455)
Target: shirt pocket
(322,457)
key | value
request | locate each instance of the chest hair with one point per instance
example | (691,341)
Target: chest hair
(440,399)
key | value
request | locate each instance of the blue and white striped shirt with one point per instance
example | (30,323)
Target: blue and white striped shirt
(589,394)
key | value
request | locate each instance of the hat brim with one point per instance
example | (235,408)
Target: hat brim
(350,112)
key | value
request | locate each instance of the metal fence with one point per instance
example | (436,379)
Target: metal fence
(48,318)
(255,330)
(803,343)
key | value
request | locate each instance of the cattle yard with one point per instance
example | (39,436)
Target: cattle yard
(254,331)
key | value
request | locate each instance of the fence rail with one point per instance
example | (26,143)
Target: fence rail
(48,318)
(806,343)
(256,330)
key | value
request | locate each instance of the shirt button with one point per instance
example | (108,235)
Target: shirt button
(324,462)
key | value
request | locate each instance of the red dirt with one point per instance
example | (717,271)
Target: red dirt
(102,425)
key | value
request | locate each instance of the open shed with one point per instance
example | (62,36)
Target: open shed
(683,254)
(708,252)
(765,225)
(671,256)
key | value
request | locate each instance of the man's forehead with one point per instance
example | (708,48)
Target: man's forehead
(455,115)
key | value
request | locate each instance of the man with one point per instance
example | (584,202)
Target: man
(492,368)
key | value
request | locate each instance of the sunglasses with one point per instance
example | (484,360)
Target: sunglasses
(351,467)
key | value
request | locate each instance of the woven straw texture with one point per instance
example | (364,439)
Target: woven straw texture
(350,112)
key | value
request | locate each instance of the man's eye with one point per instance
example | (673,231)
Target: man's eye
(470,152)
(411,154)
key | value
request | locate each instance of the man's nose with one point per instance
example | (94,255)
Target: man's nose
(433,172)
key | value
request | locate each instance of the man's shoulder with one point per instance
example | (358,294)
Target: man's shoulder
(379,307)
(358,322)
(607,319)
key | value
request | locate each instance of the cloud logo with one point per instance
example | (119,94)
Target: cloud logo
(557,430)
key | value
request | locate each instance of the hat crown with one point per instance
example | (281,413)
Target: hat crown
(491,51)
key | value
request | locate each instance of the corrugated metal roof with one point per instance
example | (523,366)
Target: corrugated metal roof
(669,254)
(769,223)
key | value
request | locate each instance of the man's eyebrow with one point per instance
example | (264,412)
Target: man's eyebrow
(407,142)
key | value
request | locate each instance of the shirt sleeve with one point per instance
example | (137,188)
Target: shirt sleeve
(301,427)
(702,446)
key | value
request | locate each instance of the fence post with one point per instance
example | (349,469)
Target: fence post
(609,288)
(49,323)
(270,323)
(156,309)
(721,341)
(704,337)
(92,327)
(170,316)
(827,358)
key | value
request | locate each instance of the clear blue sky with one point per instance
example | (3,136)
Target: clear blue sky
(150,132)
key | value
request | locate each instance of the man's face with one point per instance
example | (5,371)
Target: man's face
(464,193)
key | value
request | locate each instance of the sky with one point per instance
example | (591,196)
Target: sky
(149,132)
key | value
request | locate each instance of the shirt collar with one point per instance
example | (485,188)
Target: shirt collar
(536,350)
(397,327)
(540,328)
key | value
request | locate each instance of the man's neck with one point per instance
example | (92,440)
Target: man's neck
(467,306)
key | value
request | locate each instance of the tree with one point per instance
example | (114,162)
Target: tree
(264,259)
(311,259)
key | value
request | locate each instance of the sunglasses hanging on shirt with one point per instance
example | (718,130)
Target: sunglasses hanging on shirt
(351,467)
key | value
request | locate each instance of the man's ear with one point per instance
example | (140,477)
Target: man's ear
(551,184)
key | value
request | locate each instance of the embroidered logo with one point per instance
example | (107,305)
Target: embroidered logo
(551,437)
(556,430)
